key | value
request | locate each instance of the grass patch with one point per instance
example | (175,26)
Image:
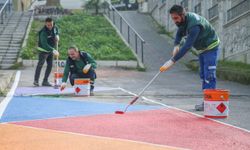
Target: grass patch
(162,30)
(92,34)
(227,70)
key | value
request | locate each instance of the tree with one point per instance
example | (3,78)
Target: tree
(53,3)
(93,4)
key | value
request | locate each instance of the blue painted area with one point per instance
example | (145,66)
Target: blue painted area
(32,108)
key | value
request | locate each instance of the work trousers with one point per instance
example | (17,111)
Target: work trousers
(208,62)
(42,57)
(91,75)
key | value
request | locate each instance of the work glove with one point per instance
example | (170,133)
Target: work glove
(56,53)
(166,66)
(85,70)
(63,86)
(175,50)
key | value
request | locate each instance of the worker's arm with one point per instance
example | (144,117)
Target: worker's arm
(44,42)
(178,37)
(91,61)
(191,38)
(66,72)
(65,76)
(56,32)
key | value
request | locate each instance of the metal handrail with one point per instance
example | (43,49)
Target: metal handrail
(126,22)
(4,6)
(118,23)
(4,9)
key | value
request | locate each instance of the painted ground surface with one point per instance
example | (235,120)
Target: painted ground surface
(32,122)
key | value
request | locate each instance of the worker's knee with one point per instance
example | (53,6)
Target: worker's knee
(209,81)
(211,73)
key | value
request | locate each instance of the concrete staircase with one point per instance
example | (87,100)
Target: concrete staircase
(11,38)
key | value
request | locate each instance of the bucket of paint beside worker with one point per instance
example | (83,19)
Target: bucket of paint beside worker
(82,87)
(58,78)
(216,104)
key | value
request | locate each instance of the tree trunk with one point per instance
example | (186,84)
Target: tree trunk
(53,3)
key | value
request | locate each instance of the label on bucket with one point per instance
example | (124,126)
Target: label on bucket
(58,78)
(82,87)
(216,108)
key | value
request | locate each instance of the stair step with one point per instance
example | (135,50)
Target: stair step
(2,42)
(9,49)
(9,58)
(6,66)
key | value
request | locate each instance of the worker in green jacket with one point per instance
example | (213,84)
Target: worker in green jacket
(47,47)
(79,64)
(200,35)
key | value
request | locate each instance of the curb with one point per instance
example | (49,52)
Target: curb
(100,63)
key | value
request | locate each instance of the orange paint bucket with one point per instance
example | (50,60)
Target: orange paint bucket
(58,78)
(216,103)
(82,87)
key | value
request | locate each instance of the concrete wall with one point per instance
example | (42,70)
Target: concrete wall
(234,34)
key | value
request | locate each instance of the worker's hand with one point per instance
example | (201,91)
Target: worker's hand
(166,66)
(56,53)
(57,38)
(175,50)
(63,86)
(85,70)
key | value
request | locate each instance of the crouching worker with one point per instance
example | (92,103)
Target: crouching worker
(79,65)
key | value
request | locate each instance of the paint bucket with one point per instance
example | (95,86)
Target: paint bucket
(216,104)
(82,87)
(58,78)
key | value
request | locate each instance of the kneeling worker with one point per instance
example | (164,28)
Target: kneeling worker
(79,65)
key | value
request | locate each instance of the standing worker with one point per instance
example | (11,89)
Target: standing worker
(48,39)
(79,65)
(200,35)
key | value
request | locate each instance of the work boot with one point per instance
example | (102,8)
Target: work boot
(35,83)
(92,90)
(199,107)
(46,83)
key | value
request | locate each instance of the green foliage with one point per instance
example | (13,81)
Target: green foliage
(29,51)
(92,34)
(228,70)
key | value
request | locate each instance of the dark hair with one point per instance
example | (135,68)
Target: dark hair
(178,9)
(48,19)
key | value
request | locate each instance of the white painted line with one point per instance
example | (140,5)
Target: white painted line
(9,96)
(126,91)
(152,101)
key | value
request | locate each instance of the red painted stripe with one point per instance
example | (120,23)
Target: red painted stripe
(166,127)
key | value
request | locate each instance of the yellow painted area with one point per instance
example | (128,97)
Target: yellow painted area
(14,137)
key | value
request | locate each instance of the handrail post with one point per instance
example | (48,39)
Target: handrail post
(128,35)
(109,12)
(136,51)
(1,18)
(121,25)
(142,57)
(114,16)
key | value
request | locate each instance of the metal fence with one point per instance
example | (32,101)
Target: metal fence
(135,41)
(238,10)
(5,11)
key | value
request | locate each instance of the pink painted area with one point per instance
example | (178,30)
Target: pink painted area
(165,127)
